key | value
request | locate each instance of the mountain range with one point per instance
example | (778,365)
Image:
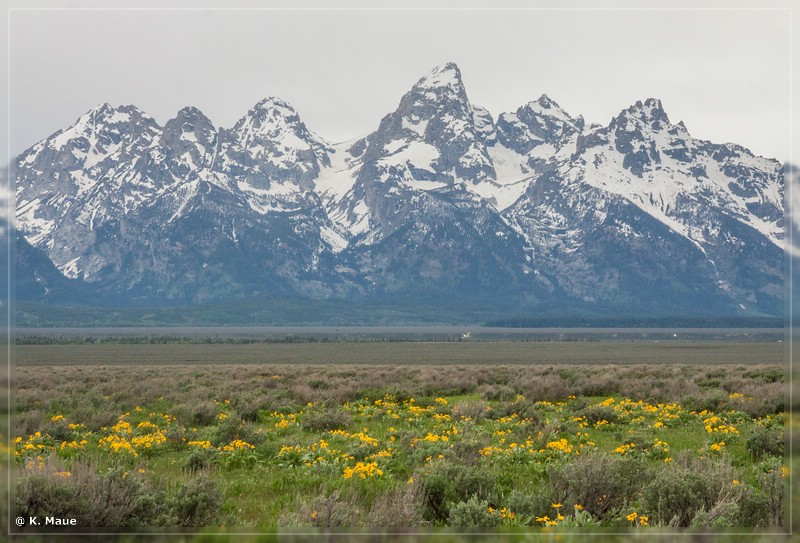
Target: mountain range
(533,210)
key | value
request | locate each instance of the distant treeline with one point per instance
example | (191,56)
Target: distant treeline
(33,339)
(158,340)
(637,322)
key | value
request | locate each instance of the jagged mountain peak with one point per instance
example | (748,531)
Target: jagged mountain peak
(100,109)
(649,113)
(269,144)
(545,106)
(107,113)
(440,91)
(541,121)
(446,75)
(190,112)
(545,102)
(103,118)
(105,109)
(269,114)
(275,105)
(434,136)
(653,103)
(189,120)
(276,120)
(188,142)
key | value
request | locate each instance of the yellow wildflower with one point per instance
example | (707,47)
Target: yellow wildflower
(362,470)
(237,444)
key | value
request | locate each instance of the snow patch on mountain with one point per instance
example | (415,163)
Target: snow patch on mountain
(415,154)
(417,126)
(512,178)
(71,268)
(333,239)
(37,228)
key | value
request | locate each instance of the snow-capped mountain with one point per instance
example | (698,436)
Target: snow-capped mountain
(536,209)
(684,213)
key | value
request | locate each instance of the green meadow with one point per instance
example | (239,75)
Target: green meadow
(546,436)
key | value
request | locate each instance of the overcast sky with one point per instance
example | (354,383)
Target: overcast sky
(726,74)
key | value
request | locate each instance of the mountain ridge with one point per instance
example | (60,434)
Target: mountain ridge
(440,200)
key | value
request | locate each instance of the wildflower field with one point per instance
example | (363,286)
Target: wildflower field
(544,446)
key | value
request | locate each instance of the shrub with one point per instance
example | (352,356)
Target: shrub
(58,430)
(101,418)
(319,384)
(724,514)
(599,386)
(470,409)
(29,422)
(113,499)
(397,508)
(197,503)
(199,459)
(754,509)
(766,442)
(328,419)
(467,450)
(200,414)
(711,400)
(204,413)
(444,483)
(600,482)
(676,496)
(531,504)
(175,434)
(596,413)
(690,486)
(472,513)
(767,375)
(228,429)
(501,393)
(330,511)
(249,406)
(770,478)
(522,408)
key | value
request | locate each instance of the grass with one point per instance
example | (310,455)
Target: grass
(255,436)
(390,353)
